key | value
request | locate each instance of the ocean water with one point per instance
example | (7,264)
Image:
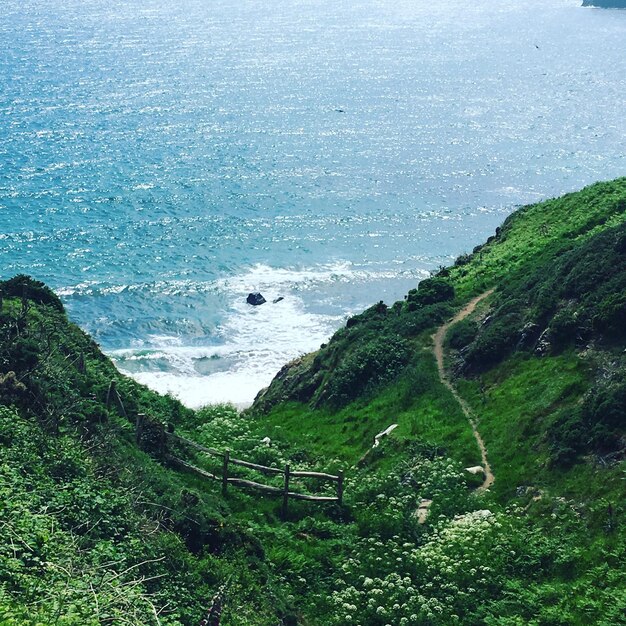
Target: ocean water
(159,160)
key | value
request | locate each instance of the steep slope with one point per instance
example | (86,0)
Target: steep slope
(438,338)
(557,269)
(95,530)
(92,529)
(539,365)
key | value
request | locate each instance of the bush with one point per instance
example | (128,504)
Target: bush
(376,312)
(21,355)
(24,286)
(565,327)
(417,319)
(462,334)
(431,291)
(377,361)
(594,426)
(494,341)
(610,316)
(577,292)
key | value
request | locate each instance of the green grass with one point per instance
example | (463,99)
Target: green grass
(537,228)
(68,463)
(515,404)
(561,541)
(424,410)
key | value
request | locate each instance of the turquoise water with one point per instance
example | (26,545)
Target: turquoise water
(160,160)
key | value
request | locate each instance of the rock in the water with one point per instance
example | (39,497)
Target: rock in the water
(278,299)
(255,299)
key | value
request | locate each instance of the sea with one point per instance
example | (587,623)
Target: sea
(160,160)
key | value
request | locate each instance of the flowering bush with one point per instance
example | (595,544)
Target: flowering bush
(386,503)
(405,572)
(395,582)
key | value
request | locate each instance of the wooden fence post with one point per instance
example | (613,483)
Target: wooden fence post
(340,488)
(120,404)
(110,394)
(139,424)
(150,436)
(225,472)
(286,493)
(80,366)
(24,300)
(113,395)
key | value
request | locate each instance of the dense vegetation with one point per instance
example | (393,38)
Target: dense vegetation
(96,530)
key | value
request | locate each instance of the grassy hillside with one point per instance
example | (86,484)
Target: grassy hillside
(93,530)
(559,273)
(541,364)
(99,530)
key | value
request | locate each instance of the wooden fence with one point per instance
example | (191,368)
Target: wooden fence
(153,437)
(226,479)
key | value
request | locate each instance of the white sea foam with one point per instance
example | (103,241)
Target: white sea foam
(274,279)
(257,343)
(254,342)
(197,391)
(257,277)
(81,288)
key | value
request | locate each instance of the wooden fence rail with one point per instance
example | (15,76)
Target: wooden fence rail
(152,437)
(226,479)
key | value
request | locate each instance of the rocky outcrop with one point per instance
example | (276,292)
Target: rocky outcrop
(605,4)
(255,299)
(528,335)
(296,380)
(544,345)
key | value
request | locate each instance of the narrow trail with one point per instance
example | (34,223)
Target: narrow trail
(439,338)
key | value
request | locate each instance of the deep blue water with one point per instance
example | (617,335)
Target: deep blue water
(158,159)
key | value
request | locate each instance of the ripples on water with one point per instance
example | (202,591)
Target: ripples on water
(160,160)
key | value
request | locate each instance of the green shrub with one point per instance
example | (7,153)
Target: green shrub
(577,292)
(565,327)
(24,286)
(462,259)
(376,312)
(610,314)
(494,341)
(596,426)
(432,291)
(415,319)
(376,362)
(462,334)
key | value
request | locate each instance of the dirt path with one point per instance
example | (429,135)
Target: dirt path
(439,338)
